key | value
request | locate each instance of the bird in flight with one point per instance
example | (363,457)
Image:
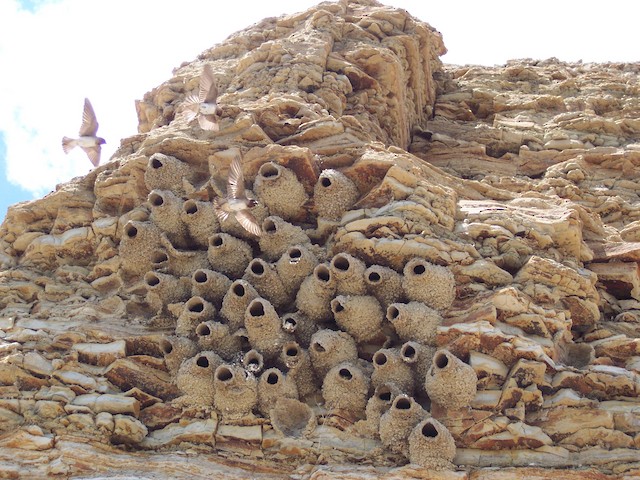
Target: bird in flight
(88,141)
(236,201)
(205,105)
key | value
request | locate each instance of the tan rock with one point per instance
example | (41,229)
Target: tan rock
(520,180)
(30,438)
(100,354)
(620,279)
(201,431)
(244,439)
(128,430)
(568,420)
(599,436)
(109,403)
(517,435)
(126,374)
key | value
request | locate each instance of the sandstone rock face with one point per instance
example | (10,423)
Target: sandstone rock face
(491,215)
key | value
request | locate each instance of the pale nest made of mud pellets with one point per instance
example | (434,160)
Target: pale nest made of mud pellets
(285,320)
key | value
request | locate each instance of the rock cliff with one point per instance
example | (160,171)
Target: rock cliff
(446,281)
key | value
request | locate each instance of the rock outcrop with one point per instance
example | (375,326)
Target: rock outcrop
(487,219)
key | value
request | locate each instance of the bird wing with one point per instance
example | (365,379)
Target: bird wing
(235,185)
(89,126)
(93,153)
(208,89)
(248,222)
(209,122)
(221,214)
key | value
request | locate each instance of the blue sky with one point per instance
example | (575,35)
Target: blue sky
(9,193)
(113,51)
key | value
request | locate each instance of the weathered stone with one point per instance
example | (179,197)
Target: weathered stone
(100,353)
(128,430)
(127,374)
(29,438)
(160,415)
(516,186)
(598,436)
(516,435)
(568,420)
(109,403)
(620,279)
(245,439)
(173,434)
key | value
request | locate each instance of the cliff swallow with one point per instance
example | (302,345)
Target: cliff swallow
(205,105)
(236,202)
(87,140)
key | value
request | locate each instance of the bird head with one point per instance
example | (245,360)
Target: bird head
(252,202)
(101,141)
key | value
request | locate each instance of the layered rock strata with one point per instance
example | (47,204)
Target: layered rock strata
(482,218)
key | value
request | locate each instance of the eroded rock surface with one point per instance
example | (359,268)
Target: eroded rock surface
(489,216)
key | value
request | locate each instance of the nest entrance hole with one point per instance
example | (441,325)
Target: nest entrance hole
(429,430)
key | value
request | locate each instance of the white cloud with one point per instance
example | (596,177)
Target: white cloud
(113,51)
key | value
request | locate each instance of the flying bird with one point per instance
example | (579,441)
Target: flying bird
(87,140)
(236,201)
(205,105)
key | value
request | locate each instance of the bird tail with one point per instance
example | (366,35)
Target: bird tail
(68,144)
(208,122)
(191,100)
(191,106)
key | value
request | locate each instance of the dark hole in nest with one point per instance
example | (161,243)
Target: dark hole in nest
(273,378)
(325,182)
(131,231)
(295,253)
(155,163)
(374,277)
(269,170)
(384,394)
(190,207)
(269,226)
(318,348)
(341,263)
(409,352)
(257,267)
(200,276)
(202,361)
(338,307)
(429,430)
(392,312)
(256,309)
(196,307)
(239,290)
(203,330)
(224,374)
(157,200)
(380,358)
(323,274)
(152,280)
(159,257)
(441,360)
(292,352)
(403,404)
(166,347)
(345,373)
(419,269)
(216,241)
